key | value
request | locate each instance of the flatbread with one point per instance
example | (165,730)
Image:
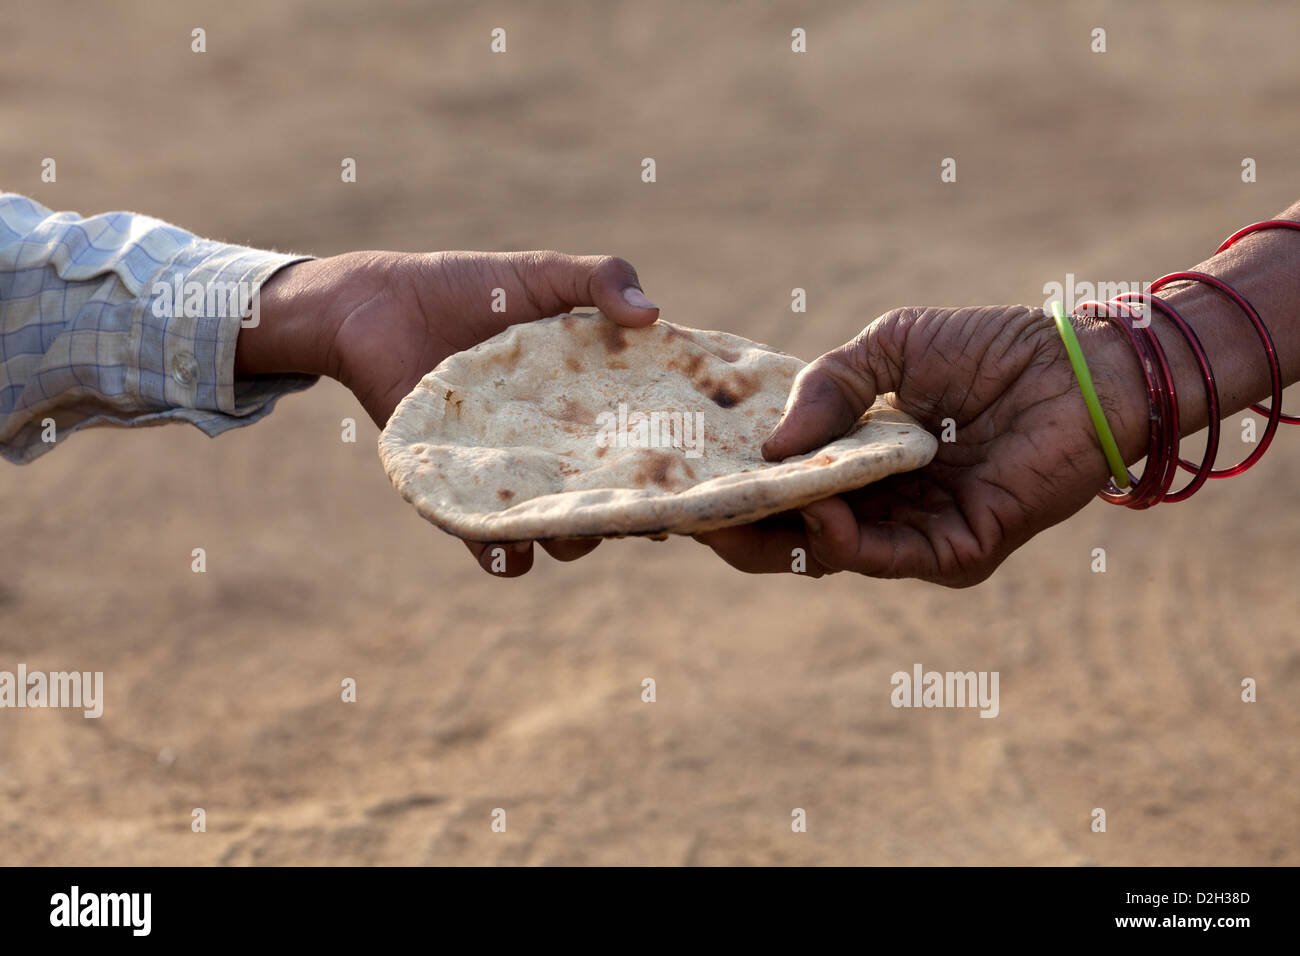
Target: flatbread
(549,430)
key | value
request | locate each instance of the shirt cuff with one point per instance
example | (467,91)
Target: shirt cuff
(186,328)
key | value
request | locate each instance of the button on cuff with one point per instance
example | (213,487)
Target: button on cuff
(184,368)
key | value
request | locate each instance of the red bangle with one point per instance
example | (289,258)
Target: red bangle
(1231,241)
(1275,371)
(1149,490)
(1163,460)
(1206,468)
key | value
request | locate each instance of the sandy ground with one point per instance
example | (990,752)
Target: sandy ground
(1118,690)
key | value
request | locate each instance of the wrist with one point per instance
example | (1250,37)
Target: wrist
(1120,382)
(295,330)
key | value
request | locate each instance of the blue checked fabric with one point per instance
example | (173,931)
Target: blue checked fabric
(81,345)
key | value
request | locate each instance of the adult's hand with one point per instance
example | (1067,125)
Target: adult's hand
(1024,454)
(378,321)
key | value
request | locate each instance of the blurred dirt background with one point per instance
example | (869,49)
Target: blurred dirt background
(775,170)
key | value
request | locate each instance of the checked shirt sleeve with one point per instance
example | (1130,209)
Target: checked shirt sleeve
(87,336)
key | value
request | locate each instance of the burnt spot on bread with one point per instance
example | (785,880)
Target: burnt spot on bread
(505,494)
(657,467)
(730,390)
(725,388)
(511,359)
(614,336)
(575,412)
(723,397)
(691,367)
(601,450)
(573,364)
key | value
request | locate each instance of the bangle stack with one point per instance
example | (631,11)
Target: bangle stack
(1163,460)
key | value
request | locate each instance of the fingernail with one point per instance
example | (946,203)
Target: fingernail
(636,298)
(521,547)
(813,522)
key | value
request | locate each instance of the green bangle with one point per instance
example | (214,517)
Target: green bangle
(1108,447)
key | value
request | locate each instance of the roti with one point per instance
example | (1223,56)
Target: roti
(576,427)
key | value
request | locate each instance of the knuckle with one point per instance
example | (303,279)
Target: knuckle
(546,260)
(897,320)
(616,266)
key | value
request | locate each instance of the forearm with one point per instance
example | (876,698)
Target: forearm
(1264,268)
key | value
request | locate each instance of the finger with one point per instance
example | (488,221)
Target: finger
(606,282)
(828,396)
(570,549)
(764,548)
(839,539)
(832,530)
(503,560)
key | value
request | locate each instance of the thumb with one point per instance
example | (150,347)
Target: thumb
(828,396)
(607,282)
